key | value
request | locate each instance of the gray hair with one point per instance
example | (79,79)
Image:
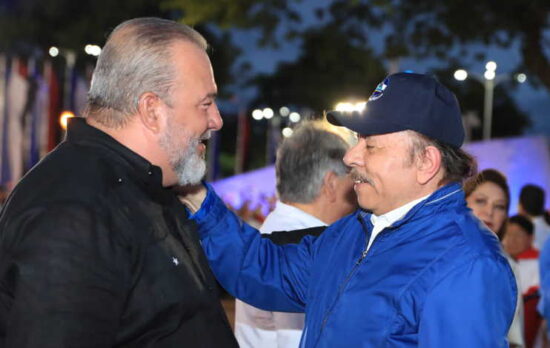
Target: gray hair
(457,163)
(304,158)
(135,59)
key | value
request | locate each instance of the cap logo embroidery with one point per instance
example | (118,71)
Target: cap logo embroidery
(379,91)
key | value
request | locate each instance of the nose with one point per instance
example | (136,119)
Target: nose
(487,211)
(355,155)
(215,121)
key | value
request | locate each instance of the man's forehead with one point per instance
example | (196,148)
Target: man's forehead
(371,136)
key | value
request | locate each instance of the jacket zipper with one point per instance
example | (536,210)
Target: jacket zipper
(344,283)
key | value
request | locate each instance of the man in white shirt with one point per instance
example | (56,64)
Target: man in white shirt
(313,191)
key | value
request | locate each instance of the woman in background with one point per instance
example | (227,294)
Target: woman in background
(488,195)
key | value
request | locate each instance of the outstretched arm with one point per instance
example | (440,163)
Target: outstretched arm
(250,267)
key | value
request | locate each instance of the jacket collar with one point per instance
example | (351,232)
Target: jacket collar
(133,166)
(448,195)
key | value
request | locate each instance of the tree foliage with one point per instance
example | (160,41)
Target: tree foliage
(413,28)
(433,27)
(508,119)
(446,30)
(39,24)
(330,69)
(265,15)
(30,27)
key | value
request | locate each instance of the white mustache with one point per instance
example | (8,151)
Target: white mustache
(356,177)
(205,136)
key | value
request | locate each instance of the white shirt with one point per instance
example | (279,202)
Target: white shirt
(255,328)
(386,220)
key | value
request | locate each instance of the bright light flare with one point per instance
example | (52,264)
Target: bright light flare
(268,113)
(284,111)
(64,118)
(351,107)
(257,114)
(491,66)
(461,75)
(294,117)
(489,74)
(53,51)
(521,78)
(287,132)
(92,50)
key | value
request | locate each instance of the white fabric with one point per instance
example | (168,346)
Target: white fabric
(528,271)
(515,334)
(385,220)
(542,231)
(256,328)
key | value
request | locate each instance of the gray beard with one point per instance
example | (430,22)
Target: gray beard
(188,165)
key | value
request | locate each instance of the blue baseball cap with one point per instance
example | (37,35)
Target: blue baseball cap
(407,101)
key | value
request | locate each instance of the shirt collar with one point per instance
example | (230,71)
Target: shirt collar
(392,216)
(287,209)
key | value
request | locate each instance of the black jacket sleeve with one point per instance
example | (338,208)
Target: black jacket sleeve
(62,282)
(293,237)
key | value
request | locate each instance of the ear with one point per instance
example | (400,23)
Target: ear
(329,186)
(428,164)
(150,109)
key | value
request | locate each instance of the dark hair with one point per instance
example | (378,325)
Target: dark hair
(531,199)
(488,175)
(458,164)
(495,177)
(523,222)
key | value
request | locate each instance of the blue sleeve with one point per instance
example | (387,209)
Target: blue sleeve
(252,268)
(544,269)
(472,306)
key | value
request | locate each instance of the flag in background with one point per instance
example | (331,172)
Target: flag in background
(54,106)
(37,126)
(12,131)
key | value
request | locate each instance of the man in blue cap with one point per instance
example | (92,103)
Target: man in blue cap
(412,268)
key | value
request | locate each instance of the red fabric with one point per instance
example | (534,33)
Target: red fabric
(530,253)
(532,317)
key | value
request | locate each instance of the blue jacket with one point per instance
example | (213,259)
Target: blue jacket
(436,278)
(544,290)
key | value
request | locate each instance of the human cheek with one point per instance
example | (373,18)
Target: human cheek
(476,210)
(498,219)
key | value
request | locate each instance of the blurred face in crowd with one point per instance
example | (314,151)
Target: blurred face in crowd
(191,114)
(488,202)
(384,177)
(346,201)
(516,240)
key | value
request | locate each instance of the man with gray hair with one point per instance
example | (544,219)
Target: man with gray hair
(313,190)
(95,248)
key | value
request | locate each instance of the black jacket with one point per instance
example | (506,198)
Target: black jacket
(94,252)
